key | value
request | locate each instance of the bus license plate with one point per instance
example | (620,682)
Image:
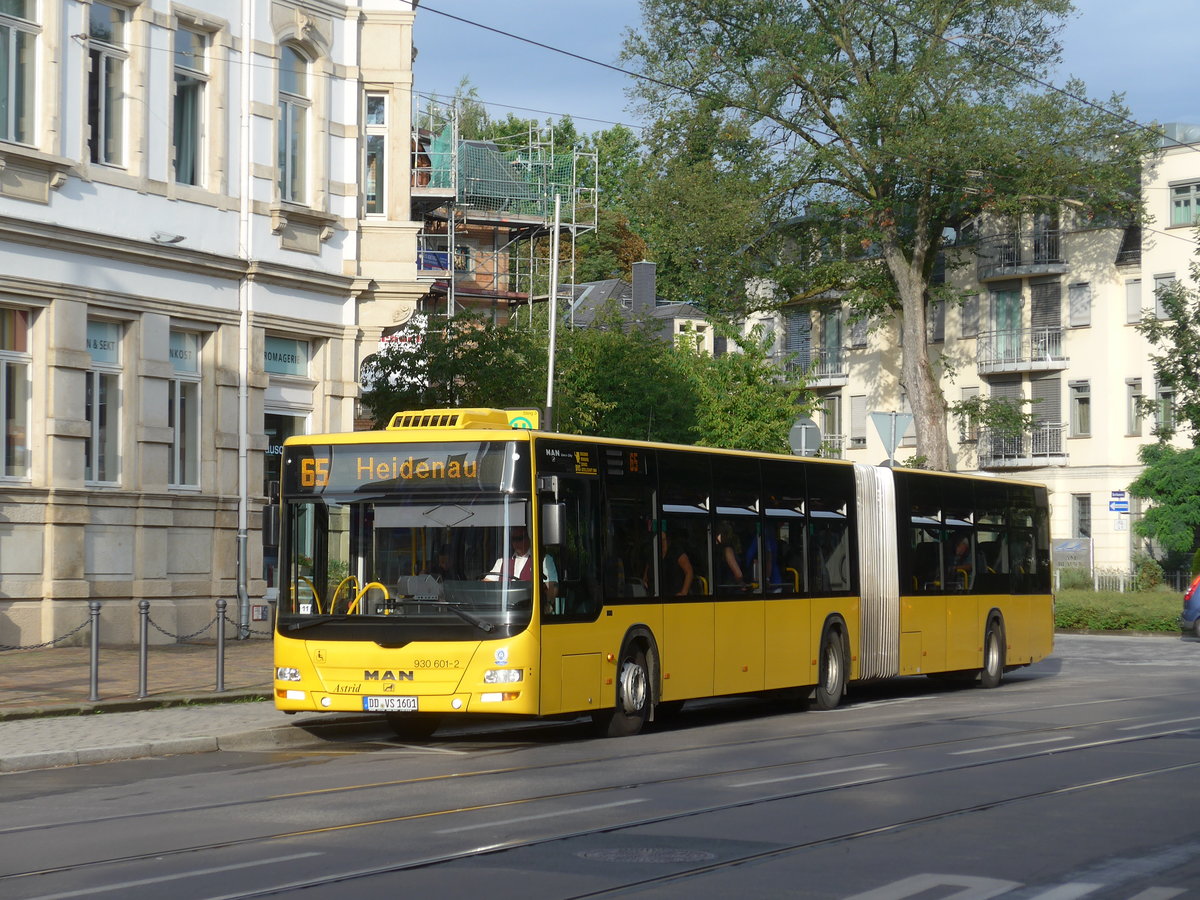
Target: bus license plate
(390,704)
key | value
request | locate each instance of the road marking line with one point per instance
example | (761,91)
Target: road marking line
(742,784)
(1053,740)
(1067,891)
(549,815)
(104,888)
(1163,722)
(1158,894)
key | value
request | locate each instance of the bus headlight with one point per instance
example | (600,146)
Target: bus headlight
(287,673)
(503,676)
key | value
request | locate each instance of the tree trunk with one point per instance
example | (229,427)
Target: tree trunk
(924,393)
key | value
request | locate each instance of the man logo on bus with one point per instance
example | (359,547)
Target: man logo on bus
(387,675)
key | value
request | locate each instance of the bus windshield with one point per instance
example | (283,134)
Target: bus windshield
(404,559)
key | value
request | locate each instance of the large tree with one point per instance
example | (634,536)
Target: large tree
(887,122)
(1171,479)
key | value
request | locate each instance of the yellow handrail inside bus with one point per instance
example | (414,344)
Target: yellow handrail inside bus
(362,593)
(312,587)
(795,579)
(349,579)
(703,584)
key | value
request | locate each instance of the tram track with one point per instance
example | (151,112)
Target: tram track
(881,779)
(756,743)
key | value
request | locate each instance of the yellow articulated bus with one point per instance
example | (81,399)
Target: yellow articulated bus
(453,565)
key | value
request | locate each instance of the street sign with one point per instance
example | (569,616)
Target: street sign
(1118,506)
(891,427)
(805,437)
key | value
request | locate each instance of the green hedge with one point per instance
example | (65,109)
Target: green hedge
(1085,610)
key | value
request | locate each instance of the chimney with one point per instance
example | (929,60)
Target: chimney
(645,288)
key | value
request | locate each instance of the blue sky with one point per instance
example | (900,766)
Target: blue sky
(1145,50)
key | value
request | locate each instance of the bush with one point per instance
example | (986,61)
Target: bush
(1147,573)
(1075,579)
(1087,610)
(1196,563)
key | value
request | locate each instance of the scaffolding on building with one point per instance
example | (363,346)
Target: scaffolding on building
(487,210)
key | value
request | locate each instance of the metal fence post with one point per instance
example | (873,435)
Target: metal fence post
(143,637)
(94,614)
(221,604)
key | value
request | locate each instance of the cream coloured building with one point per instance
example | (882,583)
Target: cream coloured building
(1049,317)
(205,226)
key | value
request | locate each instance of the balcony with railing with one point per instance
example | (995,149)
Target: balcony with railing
(1017,254)
(828,368)
(832,446)
(1020,350)
(1042,446)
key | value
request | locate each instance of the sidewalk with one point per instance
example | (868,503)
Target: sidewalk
(47,720)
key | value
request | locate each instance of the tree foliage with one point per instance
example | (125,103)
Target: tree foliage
(884,122)
(1171,480)
(1176,340)
(615,379)
(743,403)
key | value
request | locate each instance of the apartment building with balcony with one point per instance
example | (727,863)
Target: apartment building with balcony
(205,225)
(1048,318)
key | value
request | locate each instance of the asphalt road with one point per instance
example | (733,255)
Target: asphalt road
(1079,777)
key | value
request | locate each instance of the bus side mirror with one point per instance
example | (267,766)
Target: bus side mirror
(554,523)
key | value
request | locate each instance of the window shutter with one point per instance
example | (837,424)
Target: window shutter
(1133,300)
(1079,299)
(969,316)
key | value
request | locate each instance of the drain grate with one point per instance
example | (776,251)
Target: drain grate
(646,855)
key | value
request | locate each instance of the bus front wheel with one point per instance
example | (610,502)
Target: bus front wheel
(831,677)
(993,655)
(633,697)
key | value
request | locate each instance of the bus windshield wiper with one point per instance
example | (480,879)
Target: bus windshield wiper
(461,613)
(309,622)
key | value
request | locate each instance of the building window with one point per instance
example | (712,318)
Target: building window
(15,362)
(294,105)
(1185,204)
(1162,283)
(1133,300)
(831,410)
(18,67)
(183,410)
(858,421)
(102,402)
(968,426)
(374,169)
(1081,408)
(191,79)
(286,356)
(106,82)
(1135,402)
(1081,515)
(1164,410)
(1079,302)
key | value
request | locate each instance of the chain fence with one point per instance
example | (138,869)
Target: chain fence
(145,622)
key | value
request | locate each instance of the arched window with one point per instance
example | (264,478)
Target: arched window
(294,105)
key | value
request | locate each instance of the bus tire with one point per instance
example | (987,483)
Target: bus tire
(413,726)
(633,697)
(831,672)
(992,672)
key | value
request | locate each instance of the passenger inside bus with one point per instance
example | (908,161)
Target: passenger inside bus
(727,552)
(675,568)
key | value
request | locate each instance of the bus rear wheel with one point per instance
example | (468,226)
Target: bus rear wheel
(633,698)
(413,726)
(993,655)
(831,676)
